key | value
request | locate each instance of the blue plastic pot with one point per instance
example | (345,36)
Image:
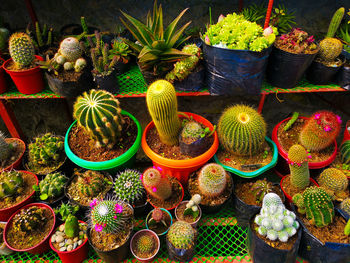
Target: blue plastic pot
(165,211)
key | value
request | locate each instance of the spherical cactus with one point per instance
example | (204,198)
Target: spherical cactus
(145,244)
(162,106)
(70,49)
(260,188)
(11,184)
(330,49)
(128,186)
(71,226)
(212,180)
(68,66)
(334,180)
(79,65)
(299,166)
(241,130)
(320,131)
(272,200)
(317,204)
(156,184)
(181,235)
(345,205)
(21,50)
(30,219)
(91,183)
(193,130)
(99,114)
(5,149)
(52,185)
(345,152)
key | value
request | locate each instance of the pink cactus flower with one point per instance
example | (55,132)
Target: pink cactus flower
(317,116)
(327,128)
(154,189)
(118,208)
(93,203)
(268,31)
(98,228)
(207,41)
(339,119)
(221,17)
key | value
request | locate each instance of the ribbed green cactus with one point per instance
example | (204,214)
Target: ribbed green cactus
(335,22)
(334,180)
(70,49)
(91,183)
(71,226)
(156,184)
(242,130)
(99,113)
(299,166)
(320,130)
(181,235)
(21,50)
(162,106)
(145,243)
(52,186)
(128,186)
(345,152)
(317,205)
(345,205)
(5,149)
(45,150)
(260,188)
(212,180)
(30,219)
(11,184)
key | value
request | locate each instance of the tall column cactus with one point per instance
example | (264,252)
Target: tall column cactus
(162,106)
(21,50)
(156,184)
(299,166)
(212,180)
(320,130)
(99,113)
(241,130)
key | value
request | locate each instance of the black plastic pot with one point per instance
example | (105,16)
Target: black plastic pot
(108,82)
(121,68)
(149,76)
(260,252)
(233,72)
(343,77)
(319,74)
(285,69)
(182,255)
(193,149)
(193,82)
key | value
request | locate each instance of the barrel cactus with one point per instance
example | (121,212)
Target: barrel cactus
(334,180)
(299,166)
(11,184)
(128,186)
(317,204)
(99,114)
(260,188)
(145,244)
(52,186)
(29,220)
(156,184)
(162,106)
(345,205)
(21,50)
(345,152)
(157,217)
(320,130)
(91,183)
(212,180)
(5,149)
(70,49)
(71,226)
(242,130)
(274,220)
(181,235)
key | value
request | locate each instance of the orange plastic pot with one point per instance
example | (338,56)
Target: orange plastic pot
(180,169)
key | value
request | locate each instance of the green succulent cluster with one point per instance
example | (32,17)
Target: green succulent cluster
(43,37)
(345,205)
(66,209)
(29,220)
(299,166)
(156,184)
(128,186)
(317,204)
(91,183)
(212,180)
(145,244)
(21,50)
(181,235)
(11,184)
(345,152)
(335,181)
(52,186)
(46,150)
(71,226)
(260,188)
(121,50)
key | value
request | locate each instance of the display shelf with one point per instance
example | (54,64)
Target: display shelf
(220,239)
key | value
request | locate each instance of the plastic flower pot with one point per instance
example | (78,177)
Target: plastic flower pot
(125,160)
(143,231)
(16,164)
(347,132)
(6,213)
(179,254)
(76,255)
(343,77)
(193,82)
(43,246)
(258,171)
(29,81)
(320,74)
(175,205)
(180,169)
(165,211)
(289,198)
(3,85)
(107,82)
(284,152)
(195,223)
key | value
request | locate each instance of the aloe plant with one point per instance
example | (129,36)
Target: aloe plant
(344,34)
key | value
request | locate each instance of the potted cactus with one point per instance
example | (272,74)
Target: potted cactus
(326,65)
(213,184)
(103,137)
(159,220)
(291,56)
(11,152)
(111,229)
(274,233)
(345,207)
(335,182)
(342,162)
(26,75)
(145,245)
(45,154)
(245,149)
(161,101)
(323,227)
(128,187)
(43,40)
(4,250)
(163,191)
(122,51)
(64,210)
(29,229)
(16,190)
(189,211)
(181,241)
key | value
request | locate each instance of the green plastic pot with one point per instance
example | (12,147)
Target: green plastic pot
(258,171)
(125,160)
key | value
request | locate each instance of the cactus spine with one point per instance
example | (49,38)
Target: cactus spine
(345,152)
(145,244)
(334,180)
(162,106)
(29,220)
(128,186)
(241,130)
(71,226)
(156,184)
(70,49)
(299,166)
(21,50)
(181,235)
(91,183)
(260,188)
(212,180)
(320,130)
(52,186)
(11,184)
(98,112)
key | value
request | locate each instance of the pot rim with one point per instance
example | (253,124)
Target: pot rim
(22,154)
(171,221)
(139,233)
(199,217)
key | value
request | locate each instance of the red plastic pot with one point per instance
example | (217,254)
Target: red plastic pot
(289,198)
(3,86)
(347,132)
(16,163)
(284,154)
(43,246)
(6,213)
(181,169)
(75,256)
(28,81)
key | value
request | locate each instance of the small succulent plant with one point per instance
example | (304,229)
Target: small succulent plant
(157,217)
(66,209)
(120,50)
(192,206)
(345,152)
(91,183)
(128,186)
(260,188)
(29,220)
(156,184)
(297,41)
(335,181)
(145,244)
(51,186)
(11,184)
(212,180)
(71,226)
(181,235)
